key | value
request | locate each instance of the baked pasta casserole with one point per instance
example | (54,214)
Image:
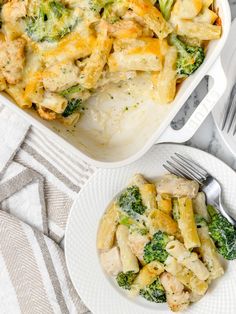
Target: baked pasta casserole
(55,53)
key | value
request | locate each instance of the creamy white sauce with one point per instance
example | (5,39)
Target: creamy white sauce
(119,113)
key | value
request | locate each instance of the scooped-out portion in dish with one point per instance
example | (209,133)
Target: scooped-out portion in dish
(55,54)
(160,241)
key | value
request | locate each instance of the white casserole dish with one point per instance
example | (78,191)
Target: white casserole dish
(109,136)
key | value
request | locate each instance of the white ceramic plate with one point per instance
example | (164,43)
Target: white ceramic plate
(98,292)
(228,58)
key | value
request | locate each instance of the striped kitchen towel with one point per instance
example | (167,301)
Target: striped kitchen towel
(38,184)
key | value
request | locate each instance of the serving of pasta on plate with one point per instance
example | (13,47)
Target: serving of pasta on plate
(162,242)
(55,54)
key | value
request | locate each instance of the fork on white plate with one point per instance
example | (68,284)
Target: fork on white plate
(189,169)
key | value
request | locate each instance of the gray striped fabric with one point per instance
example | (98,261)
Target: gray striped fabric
(38,184)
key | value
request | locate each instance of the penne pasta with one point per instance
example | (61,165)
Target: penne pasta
(201,31)
(207,16)
(164,202)
(34,88)
(142,54)
(128,259)
(158,220)
(186,223)
(54,102)
(138,180)
(187,9)
(148,194)
(17,93)
(96,62)
(185,276)
(107,228)
(151,16)
(209,254)
(146,276)
(187,259)
(199,206)
(165,90)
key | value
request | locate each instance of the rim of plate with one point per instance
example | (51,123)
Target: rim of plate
(91,283)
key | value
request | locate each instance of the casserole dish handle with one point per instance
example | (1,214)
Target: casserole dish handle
(217,74)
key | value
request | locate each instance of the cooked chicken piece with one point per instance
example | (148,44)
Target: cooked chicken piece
(60,76)
(12,59)
(171,184)
(13,10)
(177,298)
(111,261)
(137,243)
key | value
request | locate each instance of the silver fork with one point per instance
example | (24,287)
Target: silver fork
(189,169)
(229,115)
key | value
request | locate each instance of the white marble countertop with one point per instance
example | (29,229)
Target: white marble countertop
(207,137)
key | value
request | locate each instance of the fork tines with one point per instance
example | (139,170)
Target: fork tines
(230,112)
(185,167)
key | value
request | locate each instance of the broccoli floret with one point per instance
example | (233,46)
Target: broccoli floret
(98,5)
(189,57)
(72,90)
(57,8)
(154,292)
(165,7)
(130,201)
(222,233)
(51,21)
(72,106)
(125,280)
(155,249)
